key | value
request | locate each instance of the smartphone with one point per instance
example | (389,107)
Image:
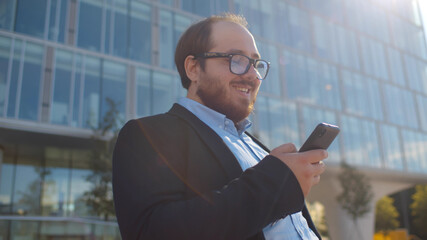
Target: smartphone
(321,137)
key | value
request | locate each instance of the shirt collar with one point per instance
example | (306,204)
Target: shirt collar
(213,118)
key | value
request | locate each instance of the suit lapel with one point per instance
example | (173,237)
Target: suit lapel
(219,149)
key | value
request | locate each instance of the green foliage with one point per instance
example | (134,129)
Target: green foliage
(419,210)
(386,215)
(357,192)
(100,197)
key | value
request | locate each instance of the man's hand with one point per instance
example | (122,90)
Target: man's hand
(306,166)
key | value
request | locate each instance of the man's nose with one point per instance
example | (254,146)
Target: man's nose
(253,73)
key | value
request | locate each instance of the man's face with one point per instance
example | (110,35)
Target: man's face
(219,89)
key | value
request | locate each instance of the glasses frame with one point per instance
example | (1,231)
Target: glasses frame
(252,61)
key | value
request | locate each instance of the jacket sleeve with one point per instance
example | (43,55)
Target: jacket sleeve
(151,200)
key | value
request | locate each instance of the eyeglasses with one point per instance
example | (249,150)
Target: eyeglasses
(240,64)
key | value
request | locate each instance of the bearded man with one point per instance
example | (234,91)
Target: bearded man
(194,172)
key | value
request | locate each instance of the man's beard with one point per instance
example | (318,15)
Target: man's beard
(215,98)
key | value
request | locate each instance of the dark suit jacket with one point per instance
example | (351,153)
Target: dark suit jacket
(174,178)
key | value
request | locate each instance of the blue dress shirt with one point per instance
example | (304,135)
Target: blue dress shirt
(248,153)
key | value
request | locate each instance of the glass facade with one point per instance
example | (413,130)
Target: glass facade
(361,65)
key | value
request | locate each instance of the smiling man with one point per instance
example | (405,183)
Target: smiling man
(194,172)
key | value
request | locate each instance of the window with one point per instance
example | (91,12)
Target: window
(311,81)
(271,84)
(396,66)
(114,78)
(62,84)
(140,32)
(155,92)
(90,24)
(91,95)
(362,95)
(374,61)
(5,45)
(30,17)
(172,25)
(7,11)
(416,71)
(422,110)
(400,106)
(360,142)
(391,147)
(415,152)
(276,122)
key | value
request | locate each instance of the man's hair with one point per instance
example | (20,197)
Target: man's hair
(197,39)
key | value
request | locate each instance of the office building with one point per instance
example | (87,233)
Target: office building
(361,65)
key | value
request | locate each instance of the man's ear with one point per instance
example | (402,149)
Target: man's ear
(192,68)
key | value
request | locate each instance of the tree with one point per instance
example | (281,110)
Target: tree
(356,193)
(386,215)
(419,210)
(100,197)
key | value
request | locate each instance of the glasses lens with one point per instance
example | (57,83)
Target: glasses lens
(261,67)
(239,64)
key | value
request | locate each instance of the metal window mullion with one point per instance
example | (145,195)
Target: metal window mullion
(47,20)
(57,20)
(111,35)
(21,70)
(9,76)
(53,82)
(82,81)
(103,25)
(41,88)
(72,89)
(67,21)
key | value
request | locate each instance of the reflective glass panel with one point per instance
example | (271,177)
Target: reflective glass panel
(7,11)
(140,32)
(271,84)
(362,95)
(79,185)
(360,142)
(162,92)
(24,229)
(78,90)
(400,106)
(5,45)
(166,49)
(311,81)
(57,20)
(60,108)
(422,109)
(416,71)
(28,181)
(15,79)
(396,66)
(275,122)
(414,145)
(89,24)
(56,182)
(119,28)
(114,88)
(92,87)
(31,82)
(30,17)
(391,147)
(7,172)
(374,61)
(143,92)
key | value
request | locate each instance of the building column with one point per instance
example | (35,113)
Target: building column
(340,225)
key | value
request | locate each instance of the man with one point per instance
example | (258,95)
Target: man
(193,172)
